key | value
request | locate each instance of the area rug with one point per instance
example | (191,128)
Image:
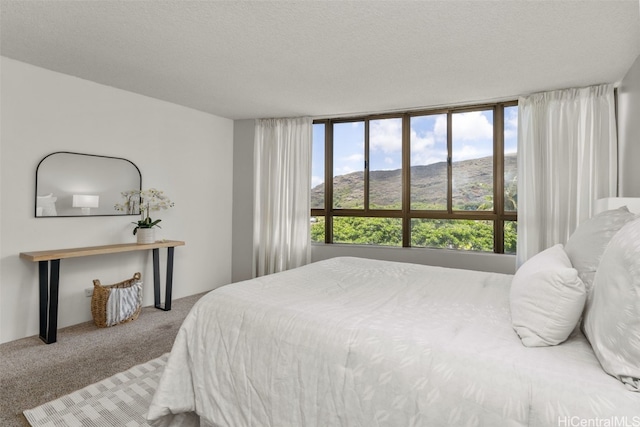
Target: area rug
(120,400)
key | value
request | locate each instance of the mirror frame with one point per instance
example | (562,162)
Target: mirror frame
(35,199)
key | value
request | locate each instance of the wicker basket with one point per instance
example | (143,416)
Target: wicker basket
(100,301)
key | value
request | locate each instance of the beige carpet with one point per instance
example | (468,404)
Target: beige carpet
(33,373)
(120,400)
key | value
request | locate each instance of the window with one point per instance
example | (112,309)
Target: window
(437,179)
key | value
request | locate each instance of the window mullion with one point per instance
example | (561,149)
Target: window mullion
(449,162)
(406,181)
(366,165)
(498,177)
(328,180)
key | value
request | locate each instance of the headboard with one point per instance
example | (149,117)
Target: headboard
(633,203)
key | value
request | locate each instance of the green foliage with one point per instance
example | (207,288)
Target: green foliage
(511,195)
(145,223)
(510,237)
(452,234)
(368,231)
(470,235)
(317,229)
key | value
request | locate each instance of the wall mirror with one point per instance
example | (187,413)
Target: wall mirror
(76,184)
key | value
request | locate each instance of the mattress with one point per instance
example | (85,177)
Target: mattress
(358,342)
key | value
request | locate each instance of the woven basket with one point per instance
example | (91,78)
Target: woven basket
(100,299)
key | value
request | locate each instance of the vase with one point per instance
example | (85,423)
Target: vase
(146,235)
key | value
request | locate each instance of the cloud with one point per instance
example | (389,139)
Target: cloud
(357,157)
(422,142)
(467,152)
(347,164)
(316,180)
(346,169)
(511,123)
(385,135)
(428,158)
(440,128)
(424,148)
(471,126)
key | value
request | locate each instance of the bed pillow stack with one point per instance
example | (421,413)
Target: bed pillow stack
(550,290)
(588,242)
(547,298)
(612,315)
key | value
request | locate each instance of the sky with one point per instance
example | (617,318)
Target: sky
(472,137)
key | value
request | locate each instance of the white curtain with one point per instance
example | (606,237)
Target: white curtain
(282,183)
(567,158)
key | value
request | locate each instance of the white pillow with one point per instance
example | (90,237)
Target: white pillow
(48,205)
(547,298)
(588,242)
(612,315)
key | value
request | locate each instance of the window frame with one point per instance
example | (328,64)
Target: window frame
(497,215)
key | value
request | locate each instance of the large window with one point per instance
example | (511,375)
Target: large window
(438,179)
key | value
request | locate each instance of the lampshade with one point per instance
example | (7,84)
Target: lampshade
(608,203)
(85,201)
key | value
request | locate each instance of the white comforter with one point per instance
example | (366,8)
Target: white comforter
(355,342)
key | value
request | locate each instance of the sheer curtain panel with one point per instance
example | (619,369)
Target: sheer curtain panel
(282,167)
(567,159)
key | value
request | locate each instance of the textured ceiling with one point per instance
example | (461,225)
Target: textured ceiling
(241,59)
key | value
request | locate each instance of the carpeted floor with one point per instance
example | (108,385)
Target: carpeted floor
(33,373)
(120,400)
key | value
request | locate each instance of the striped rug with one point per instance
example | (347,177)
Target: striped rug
(120,400)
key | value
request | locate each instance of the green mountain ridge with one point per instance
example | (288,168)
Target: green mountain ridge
(472,186)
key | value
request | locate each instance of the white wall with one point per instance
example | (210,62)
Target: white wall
(629,132)
(243,134)
(184,152)
(497,263)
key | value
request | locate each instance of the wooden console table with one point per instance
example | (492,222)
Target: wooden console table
(49,272)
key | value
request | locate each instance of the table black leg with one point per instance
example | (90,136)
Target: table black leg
(167,298)
(156,279)
(43,272)
(49,285)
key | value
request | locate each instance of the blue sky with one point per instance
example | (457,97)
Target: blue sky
(472,138)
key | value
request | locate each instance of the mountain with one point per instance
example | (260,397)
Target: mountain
(472,184)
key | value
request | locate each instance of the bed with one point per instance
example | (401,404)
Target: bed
(360,342)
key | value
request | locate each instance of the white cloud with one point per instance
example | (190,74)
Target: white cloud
(421,142)
(344,170)
(440,128)
(316,180)
(357,157)
(467,152)
(424,149)
(427,157)
(511,123)
(348,164)
(471,126)
(386,135)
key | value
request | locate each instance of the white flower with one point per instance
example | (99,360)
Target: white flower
(143,202)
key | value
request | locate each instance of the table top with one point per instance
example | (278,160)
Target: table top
(97,250)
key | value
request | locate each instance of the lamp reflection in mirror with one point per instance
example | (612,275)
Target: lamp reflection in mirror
(85,202)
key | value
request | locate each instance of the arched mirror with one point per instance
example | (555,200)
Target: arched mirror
(76,184)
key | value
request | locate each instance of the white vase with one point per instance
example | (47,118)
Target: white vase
(146,235)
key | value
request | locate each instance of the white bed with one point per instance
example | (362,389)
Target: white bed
(357,342)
